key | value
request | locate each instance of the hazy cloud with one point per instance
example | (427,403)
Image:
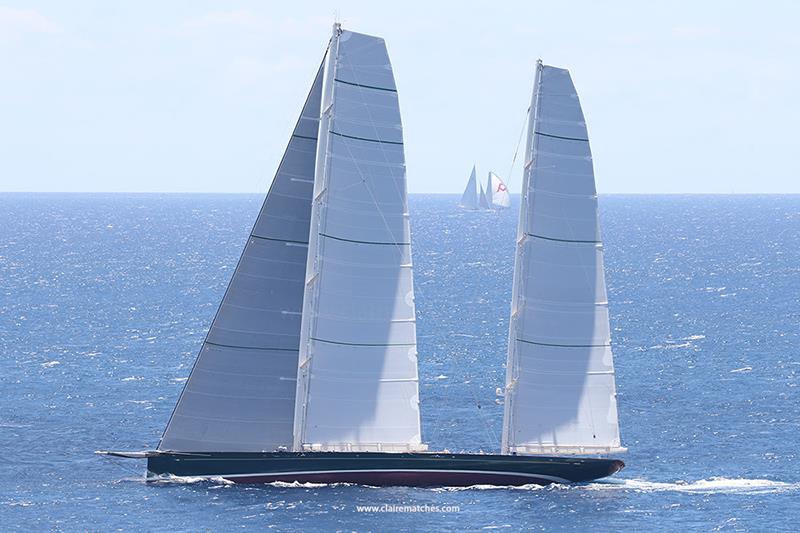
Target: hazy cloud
(240,18)
(14,22)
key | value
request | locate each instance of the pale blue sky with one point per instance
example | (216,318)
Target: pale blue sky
(202,96)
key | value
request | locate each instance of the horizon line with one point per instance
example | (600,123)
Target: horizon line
(694,193)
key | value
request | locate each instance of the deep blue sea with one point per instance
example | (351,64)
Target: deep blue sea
(104,300)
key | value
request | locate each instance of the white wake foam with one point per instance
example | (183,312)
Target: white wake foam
(183,480)
(714,485)
(298,485)
(532,486)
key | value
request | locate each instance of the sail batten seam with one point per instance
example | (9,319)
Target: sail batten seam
(562,137)
(366,86)
(562,240)
(365,138)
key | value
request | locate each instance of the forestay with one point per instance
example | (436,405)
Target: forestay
(357,380)
(560,392)
(240,395)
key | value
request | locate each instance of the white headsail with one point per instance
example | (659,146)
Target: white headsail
(357,382)
(560,392)
(499,192)
(470,197)
(484,201)
(240,395)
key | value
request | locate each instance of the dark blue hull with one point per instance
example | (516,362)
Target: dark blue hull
(383,469)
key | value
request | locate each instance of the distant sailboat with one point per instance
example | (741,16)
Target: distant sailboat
(493,196)
(309,370)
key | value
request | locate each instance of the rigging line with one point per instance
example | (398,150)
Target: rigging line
(519,141)
(493,440)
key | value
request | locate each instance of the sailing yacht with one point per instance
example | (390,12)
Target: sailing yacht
(308,372)
(494,196)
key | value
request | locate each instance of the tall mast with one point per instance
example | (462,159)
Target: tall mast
(313,265)
(511,364)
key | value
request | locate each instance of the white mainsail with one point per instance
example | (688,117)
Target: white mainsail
(240,395)
(560,391)
(357,383)
(470,197)
(499,192)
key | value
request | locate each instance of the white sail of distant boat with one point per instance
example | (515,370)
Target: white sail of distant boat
(499,192)
(469,199)
(484,201)
(357,387)
(560,395)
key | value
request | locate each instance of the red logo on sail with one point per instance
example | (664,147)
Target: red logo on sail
(501,187)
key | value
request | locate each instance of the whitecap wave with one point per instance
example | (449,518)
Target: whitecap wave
(671,346)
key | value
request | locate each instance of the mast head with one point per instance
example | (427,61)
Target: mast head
(337,28)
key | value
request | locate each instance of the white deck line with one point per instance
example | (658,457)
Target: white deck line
(554,479)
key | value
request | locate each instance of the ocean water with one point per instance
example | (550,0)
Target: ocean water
(104,300)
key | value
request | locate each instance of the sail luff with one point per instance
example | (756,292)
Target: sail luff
(239,395)
(560,391)
(470,197)
(511,364)
(314,244)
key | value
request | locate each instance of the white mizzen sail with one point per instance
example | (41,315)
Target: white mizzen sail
(357,381)
(499,192)
(240,395)
(470,197)
(560,392)
(484,201)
